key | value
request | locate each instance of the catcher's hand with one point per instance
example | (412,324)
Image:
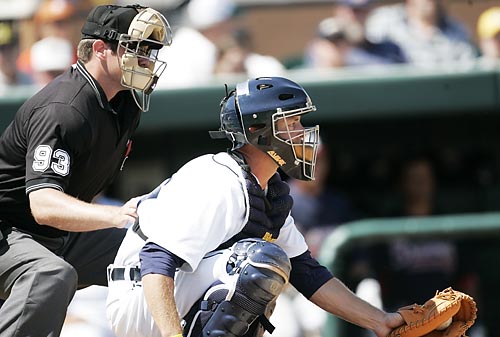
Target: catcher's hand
(448,314)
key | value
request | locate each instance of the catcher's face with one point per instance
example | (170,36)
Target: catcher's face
(289,128)
(303,141)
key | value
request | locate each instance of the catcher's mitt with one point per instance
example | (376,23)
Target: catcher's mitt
(448,314)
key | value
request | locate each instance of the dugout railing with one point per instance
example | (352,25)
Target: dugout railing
(378,230)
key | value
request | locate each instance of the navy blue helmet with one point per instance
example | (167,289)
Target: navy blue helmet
(256,113)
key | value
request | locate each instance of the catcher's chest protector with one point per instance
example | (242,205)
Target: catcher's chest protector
(267,213)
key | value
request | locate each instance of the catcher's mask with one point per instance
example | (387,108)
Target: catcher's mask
(140,32)
(265,112)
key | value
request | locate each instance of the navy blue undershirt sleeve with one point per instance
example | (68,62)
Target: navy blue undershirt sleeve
(307,274)
(158,260)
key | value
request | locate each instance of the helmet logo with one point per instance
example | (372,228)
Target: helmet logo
(277,158)
(268,237)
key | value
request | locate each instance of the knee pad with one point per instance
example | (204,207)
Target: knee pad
(259,271)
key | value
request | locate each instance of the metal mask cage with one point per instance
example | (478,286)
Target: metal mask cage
(304,142)
(145,49)
(162,23)
(142,80)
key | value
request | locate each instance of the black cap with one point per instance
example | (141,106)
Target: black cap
(107,22)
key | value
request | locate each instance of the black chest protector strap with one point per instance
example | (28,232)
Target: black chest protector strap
(137,229)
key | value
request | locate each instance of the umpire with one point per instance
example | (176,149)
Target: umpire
(64,146)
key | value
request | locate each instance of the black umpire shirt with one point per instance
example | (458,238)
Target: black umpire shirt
(66,137)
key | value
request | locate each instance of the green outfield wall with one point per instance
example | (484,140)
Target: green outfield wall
(339,95)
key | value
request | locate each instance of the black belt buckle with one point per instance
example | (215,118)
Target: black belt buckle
(135,274)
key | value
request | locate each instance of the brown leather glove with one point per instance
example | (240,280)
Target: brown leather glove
(448,314)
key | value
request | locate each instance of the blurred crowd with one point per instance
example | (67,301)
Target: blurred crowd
(392,273)
(213,39)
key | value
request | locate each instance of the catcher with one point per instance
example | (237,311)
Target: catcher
(215,244)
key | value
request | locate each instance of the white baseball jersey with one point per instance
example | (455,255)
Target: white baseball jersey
(202,206)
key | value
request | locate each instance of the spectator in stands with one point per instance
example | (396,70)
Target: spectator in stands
(237,56)
(55,19)
(341,39)
(417,188)
(193,55)
(212,41)
(488,33)
(329,47)
(9,47)
(427,35)
(411,269)
(47,64)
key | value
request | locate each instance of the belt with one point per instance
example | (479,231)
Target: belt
(124,274)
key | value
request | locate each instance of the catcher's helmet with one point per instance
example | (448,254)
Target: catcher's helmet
(140,32)
(252,113)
